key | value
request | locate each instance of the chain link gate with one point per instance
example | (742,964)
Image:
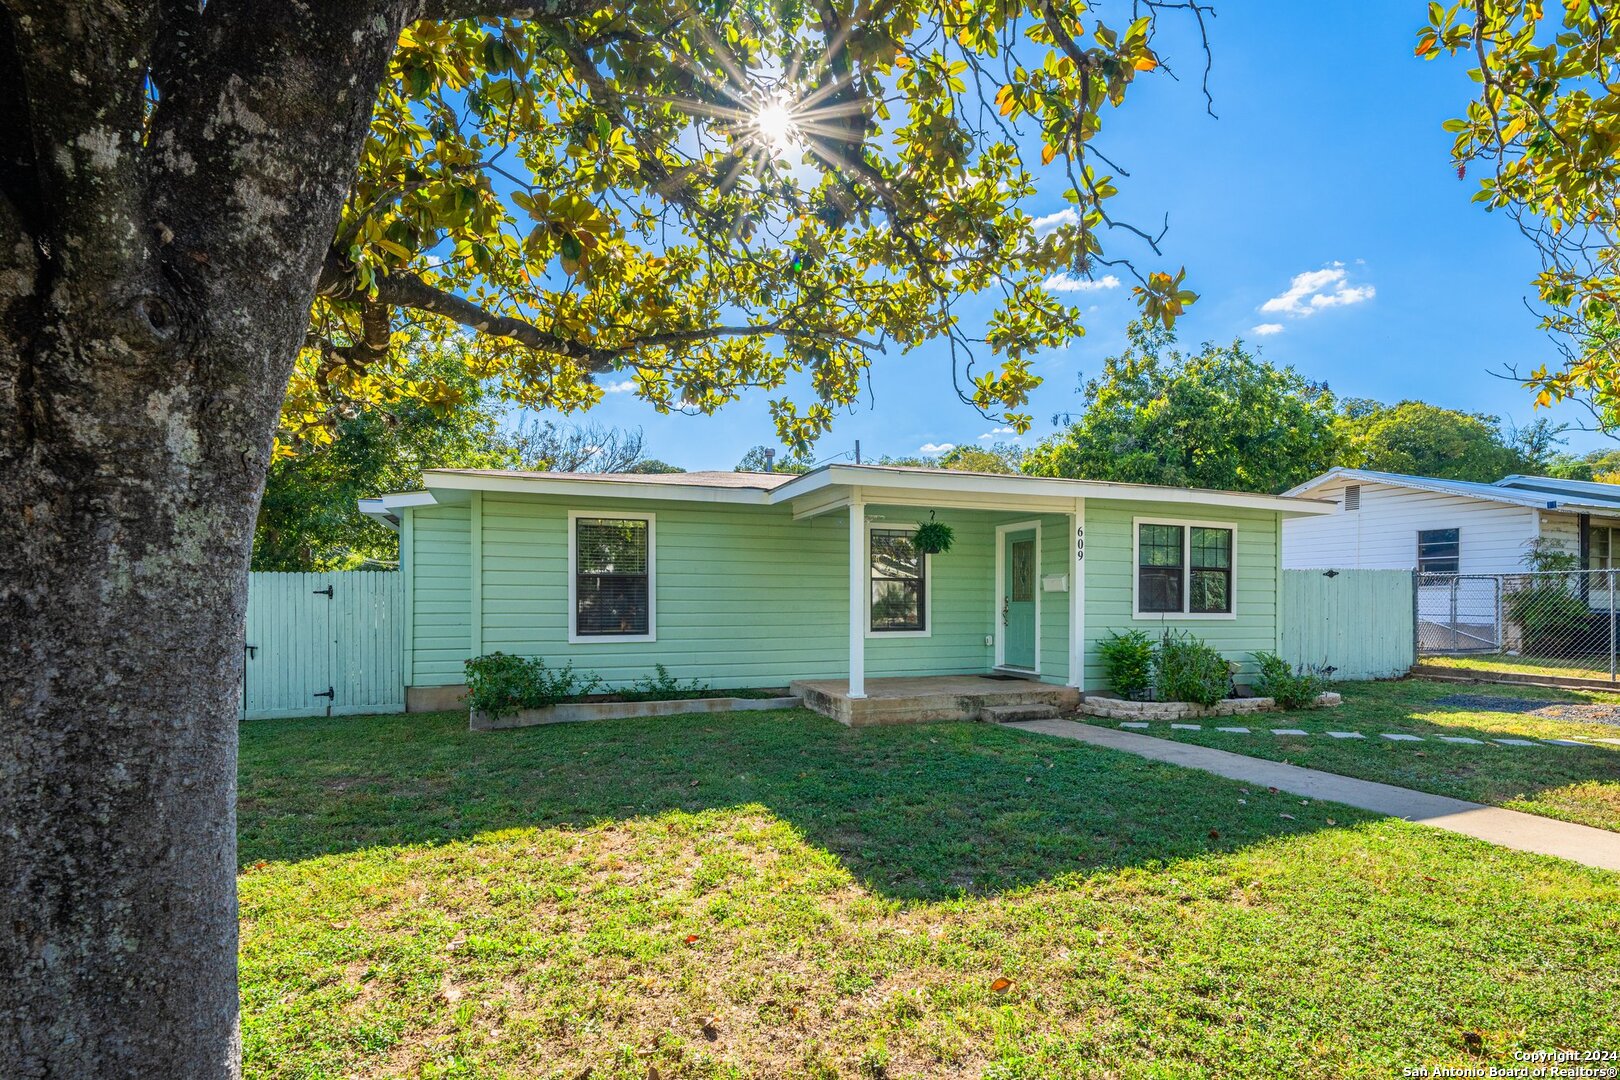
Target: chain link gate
(1547,623)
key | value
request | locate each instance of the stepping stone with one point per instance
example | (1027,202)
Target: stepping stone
(1245,731)
(1288,731)
(1401,738)
(1185,727)
(1347,735)
(1560,742)
(1132,723)
(1459,739)
(1514,742)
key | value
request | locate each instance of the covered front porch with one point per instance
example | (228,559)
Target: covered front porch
(918,699)
(997,621)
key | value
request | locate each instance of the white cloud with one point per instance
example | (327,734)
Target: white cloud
(624,386)
(1047,222)
(1070,283)
(935,448)
(1266,329)
(1317,290)
(993,432)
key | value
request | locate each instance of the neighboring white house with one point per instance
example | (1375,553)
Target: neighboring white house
(1449,527)
(1390,521)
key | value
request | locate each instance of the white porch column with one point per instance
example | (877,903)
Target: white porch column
(857,594)
(1077,595)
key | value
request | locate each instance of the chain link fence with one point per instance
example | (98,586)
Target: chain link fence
(1555,622)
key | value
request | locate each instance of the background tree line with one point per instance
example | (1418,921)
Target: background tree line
(1221,417)
(1218,417)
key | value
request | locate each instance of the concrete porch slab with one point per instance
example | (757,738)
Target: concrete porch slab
(927,698)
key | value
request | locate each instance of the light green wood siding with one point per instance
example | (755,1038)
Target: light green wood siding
(747,596)
(744,596)
(441,594)
(1109,575)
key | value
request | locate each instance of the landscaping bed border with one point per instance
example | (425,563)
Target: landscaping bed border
(1114,708)
(574,712)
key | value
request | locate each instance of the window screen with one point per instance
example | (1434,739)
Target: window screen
(611,586)
(1183,570)
(1439,551)
(1211,572)
(1160,568)
(899,582)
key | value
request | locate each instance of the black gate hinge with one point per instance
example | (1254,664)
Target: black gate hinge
(1330,573)
(326,592)
(329,693)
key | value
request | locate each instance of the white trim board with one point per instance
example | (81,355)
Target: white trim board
(879,484)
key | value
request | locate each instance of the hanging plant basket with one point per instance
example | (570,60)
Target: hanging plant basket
(933,537)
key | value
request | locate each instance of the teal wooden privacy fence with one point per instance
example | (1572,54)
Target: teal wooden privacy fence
(1358,622)
(323,644)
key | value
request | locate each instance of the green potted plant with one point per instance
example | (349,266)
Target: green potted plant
(932,537)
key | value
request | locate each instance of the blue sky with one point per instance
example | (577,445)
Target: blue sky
(1327,159)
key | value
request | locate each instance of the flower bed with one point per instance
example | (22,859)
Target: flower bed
(604,708)
(1115,708)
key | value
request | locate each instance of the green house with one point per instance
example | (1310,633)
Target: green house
(770,579)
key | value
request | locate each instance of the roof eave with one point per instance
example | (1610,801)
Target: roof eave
(377,510)
(878,480)
(610,489)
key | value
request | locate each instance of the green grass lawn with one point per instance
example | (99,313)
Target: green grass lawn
(1580,784)
(768,895)
(1594,668)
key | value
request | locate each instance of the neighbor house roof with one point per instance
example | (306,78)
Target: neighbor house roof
(1537,492)
(822,489)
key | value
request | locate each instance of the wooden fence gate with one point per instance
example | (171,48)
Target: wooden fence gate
(1358,622)
(323,644)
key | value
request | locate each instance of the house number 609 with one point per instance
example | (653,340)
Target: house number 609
(1079,543)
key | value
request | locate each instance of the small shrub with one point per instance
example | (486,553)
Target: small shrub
(1546,555)
(500,683)
(1128,663)
(1292,689)
(1186,669)
(663,686)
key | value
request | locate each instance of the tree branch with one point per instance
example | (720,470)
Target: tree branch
(409,291)
(523,10)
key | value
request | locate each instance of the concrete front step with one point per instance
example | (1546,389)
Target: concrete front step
(921,699)
(1006,714)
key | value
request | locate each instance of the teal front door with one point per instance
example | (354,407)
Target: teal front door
(1018,571)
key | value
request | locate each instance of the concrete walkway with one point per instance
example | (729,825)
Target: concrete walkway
(1508,828)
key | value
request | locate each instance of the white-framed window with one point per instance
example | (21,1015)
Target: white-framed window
(612,577)
(899,595)
(1604,550)
(1184,569)
(1439,551)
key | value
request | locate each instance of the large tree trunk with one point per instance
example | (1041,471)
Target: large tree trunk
(124,534)
(155,278)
